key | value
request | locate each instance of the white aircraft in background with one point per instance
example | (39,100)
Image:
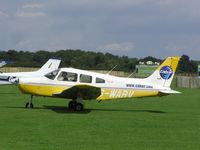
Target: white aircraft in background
(79,85)
(49,66)
(2,63)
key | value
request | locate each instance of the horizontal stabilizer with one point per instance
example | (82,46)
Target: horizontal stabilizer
(169,92)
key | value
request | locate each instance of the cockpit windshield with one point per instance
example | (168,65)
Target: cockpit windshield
(52,74)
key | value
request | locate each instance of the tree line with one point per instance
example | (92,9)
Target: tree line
(86,60)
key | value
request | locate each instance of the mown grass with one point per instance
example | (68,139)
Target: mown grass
(167,123)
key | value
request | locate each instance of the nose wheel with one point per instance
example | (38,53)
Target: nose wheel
(29,104)
(76,106)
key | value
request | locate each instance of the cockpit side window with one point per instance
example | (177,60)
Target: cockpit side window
(52,74)
(67,76)
(85,78)
(99,80)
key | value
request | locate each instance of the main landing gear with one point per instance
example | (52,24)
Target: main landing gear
(29,104)
(77,103)
(76,106)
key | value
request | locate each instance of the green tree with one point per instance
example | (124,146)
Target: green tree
(186,65)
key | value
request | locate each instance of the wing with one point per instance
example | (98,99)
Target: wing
(86,92)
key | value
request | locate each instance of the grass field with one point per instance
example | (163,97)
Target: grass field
(167,123)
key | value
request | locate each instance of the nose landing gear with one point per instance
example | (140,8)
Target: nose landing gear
(29,104)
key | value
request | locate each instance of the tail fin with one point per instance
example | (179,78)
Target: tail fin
(164,74)
(3,63)
(50,65)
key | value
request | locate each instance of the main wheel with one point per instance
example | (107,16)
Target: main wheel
(31,105)
(72,105)
(79,107)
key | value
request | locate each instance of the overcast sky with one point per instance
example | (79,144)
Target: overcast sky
(135,28)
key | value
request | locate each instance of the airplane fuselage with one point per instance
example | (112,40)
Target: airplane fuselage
(112,87)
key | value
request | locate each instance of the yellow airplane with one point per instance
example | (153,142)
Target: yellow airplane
(79,85)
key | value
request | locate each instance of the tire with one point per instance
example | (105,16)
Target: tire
(26,106)
(79,107)
(72,105)
(29,105)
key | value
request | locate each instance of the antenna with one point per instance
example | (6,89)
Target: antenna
(132,73)
(111,69)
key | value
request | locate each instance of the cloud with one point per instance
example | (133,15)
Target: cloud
(30,10)
(157,27)
(3,15)
(30,14)
(125,46)
(32,6)
(23,43)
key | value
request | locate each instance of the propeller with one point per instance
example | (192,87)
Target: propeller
(14,80)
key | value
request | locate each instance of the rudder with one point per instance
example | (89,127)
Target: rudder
(164,74)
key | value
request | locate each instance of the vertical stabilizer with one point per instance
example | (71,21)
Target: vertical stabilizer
(50,65)
(164,74)
(2,63)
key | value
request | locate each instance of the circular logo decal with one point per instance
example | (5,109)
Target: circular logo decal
(166,72)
